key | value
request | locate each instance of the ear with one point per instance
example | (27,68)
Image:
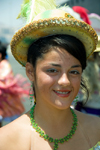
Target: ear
(30,71)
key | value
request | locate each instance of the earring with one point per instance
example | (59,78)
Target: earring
(76,100)
(31,94)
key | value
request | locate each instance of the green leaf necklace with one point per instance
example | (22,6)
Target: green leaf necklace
(50,139)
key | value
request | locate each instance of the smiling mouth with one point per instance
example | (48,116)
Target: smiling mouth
(62,93)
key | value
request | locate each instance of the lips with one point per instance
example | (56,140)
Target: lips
(62,93)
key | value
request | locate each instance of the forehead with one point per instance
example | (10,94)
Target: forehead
(59,55)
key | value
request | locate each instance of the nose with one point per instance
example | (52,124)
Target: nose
(64,80)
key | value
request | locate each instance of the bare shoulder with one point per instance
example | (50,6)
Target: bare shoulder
(14,135)
(90,125)
(87,119)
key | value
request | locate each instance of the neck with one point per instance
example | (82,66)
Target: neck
(53,120)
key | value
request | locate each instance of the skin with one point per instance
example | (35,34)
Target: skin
(62,72)
(56,71)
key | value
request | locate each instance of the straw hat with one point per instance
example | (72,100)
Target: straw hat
(98,45)
(51,22)
(92,58)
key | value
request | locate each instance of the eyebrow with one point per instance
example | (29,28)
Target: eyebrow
(57,65)
(76,66)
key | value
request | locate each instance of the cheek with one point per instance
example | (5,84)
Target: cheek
(76,82)
(44,80)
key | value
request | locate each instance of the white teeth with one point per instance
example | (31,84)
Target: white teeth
(62,92)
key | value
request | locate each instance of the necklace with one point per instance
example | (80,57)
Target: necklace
(50,139)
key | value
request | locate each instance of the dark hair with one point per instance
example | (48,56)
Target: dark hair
(3,50)
(67,42)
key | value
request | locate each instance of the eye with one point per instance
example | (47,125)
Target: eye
(74,72)
(52,70)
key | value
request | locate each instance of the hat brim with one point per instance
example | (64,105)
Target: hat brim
(98,45)
(46,27)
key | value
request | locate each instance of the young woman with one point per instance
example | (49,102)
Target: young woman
(54,52)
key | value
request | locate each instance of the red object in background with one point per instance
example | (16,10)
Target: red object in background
(83,13)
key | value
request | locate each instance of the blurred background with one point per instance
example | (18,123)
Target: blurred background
(9,10)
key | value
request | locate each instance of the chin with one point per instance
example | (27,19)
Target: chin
(62,105)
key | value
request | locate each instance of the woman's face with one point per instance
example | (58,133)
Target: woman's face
(58,77)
